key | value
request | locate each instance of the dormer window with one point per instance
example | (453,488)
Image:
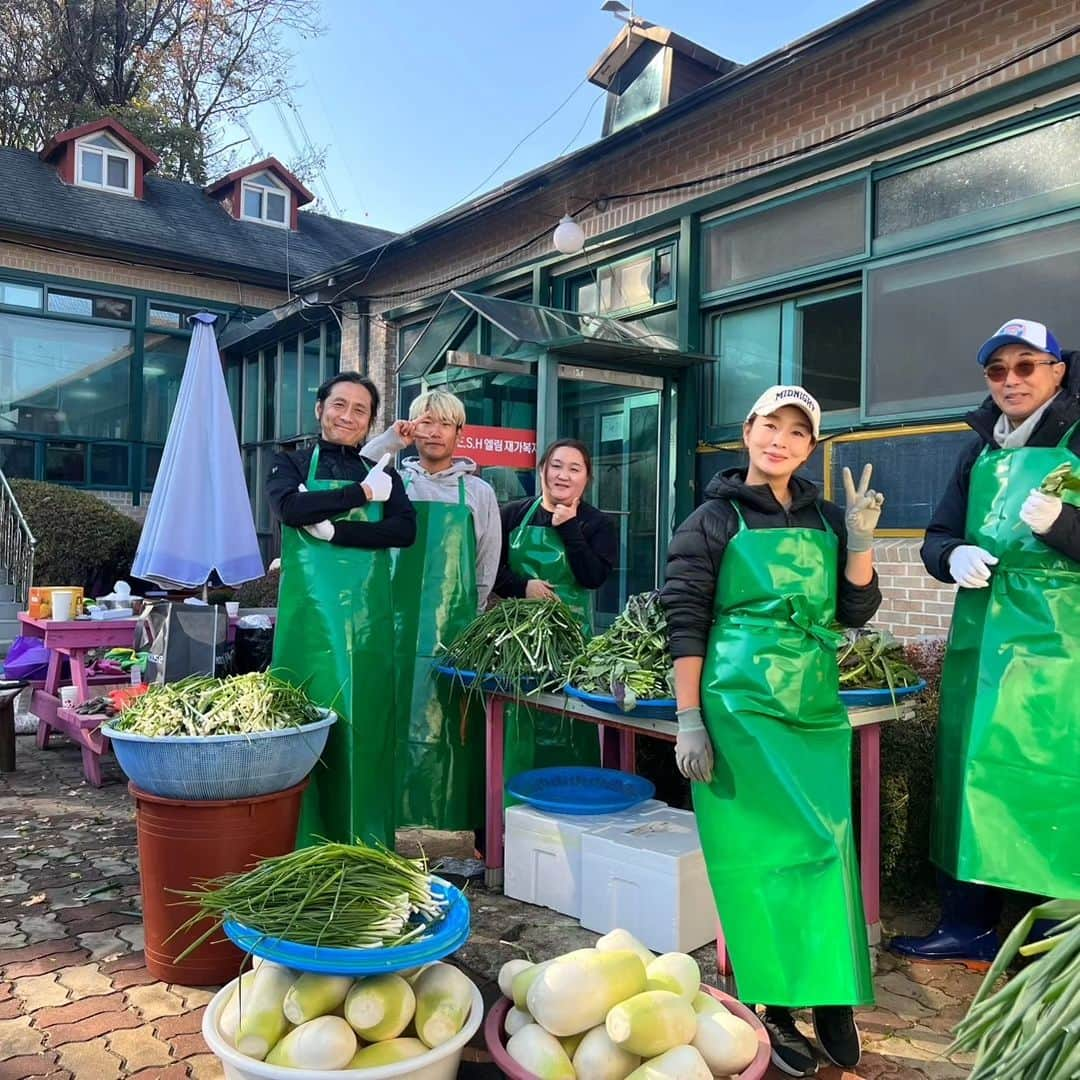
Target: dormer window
(265,199)
(103,162)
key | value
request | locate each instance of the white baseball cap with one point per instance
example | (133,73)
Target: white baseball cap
(1021,331)
(776,397)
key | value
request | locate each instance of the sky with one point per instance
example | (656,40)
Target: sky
(421,104)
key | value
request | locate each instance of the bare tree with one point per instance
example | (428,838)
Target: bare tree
(183,69)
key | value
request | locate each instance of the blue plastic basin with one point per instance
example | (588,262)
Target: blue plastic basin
(580,789)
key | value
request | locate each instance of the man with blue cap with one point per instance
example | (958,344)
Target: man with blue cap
(1007,788)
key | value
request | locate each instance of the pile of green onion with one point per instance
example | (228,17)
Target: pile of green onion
(1029,1029)
(335,895)
(526,643)
(873,660)
(200,706)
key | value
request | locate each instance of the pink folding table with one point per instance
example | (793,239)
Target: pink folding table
(618,735)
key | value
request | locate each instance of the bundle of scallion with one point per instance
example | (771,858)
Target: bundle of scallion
(200,706)
(1029,1029)
(335,895)
(526,643)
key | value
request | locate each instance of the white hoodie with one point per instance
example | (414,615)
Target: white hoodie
(423,486)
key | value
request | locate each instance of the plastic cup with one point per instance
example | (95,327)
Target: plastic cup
(69,696)
(232,608)
(62,602)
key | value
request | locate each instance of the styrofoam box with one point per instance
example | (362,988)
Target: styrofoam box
(648,876)
(542,853)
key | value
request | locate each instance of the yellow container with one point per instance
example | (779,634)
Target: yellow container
(40,604)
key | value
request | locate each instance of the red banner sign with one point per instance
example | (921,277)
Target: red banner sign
(514,448)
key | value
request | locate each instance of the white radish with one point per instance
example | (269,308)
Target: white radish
(444,998)
(619,940)
(508,972)
(314,995)
(540,1053)
(320,1045)
(674,971)
(262,1021)
(380,1007)
(727,1043)
(652,1023)
(678,1063)
(515,1020)
(598,1058)
(576,991)
(229,1020)
(387,1053)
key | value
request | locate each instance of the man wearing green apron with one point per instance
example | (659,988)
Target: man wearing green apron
(555,545)
(1007,794)
(755,577)
(441,584)
(340,516)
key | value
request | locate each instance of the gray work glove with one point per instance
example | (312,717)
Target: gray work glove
(862,509)
(693,747)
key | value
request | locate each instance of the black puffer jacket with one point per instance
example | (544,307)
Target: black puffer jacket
(698,546)
(946,529)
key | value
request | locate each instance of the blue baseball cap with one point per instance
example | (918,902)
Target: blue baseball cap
(1021,331)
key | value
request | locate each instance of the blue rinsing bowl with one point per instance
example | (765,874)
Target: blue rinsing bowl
(580,789)
(647,708)
(880,697)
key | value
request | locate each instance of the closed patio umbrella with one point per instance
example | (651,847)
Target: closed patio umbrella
(199,520)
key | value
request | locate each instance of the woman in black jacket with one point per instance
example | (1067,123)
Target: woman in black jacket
(756,577)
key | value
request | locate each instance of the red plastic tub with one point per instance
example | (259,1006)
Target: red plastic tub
(495,1037)
(181,843)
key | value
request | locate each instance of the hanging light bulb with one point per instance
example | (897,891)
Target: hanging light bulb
(569,236)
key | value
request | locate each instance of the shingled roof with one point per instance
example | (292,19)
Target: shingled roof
(174,224)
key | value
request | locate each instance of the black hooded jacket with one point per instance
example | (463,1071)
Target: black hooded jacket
(288,470)
(698,546)
(946,529)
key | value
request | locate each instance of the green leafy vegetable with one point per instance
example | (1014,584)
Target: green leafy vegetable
(337,895)
(873,660)
(1059,481)
(519,641)
(1029,1029)
(200,705)
(630,660)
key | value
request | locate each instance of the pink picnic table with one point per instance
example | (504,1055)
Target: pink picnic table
(618,735)
(75,638)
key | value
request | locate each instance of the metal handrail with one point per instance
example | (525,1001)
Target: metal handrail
(16,544)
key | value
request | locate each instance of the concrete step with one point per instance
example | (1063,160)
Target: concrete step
(9,611)
(7,593)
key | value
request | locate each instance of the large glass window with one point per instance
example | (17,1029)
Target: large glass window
(17,458)
(64,378)
(748,346)
(164,357)
(310,378)
(821,228)
(289,391)
(928,316)
(639,281)
(1011,173)
(829,329)
(109,464)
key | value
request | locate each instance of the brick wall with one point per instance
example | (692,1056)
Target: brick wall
(122,501)
(914,604)
(38,260)
(929,47)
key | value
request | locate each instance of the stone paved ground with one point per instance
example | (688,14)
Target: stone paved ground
(77,1002)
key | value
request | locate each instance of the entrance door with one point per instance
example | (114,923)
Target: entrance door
(617,415)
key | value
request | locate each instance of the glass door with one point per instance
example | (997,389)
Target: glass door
(617,415)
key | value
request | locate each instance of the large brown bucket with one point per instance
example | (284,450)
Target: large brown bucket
(181,843)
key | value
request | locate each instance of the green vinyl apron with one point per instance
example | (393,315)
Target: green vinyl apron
(1007,795)
(776,818)
(439,756)
(536,739)
(334,638)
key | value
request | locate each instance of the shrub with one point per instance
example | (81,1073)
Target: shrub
(908,753)
(81,540)
(262,592)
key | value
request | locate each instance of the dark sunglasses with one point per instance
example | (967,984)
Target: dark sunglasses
(1024,368)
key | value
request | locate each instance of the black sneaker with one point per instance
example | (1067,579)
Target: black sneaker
(791,1050)
(837,1035)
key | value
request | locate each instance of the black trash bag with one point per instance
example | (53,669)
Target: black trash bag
(252,649)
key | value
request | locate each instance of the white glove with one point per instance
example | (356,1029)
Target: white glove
(377,482)
(1040,511)
(862,509)
(321,530)
(970,566)
(693,747)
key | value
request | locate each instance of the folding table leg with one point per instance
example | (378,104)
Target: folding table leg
(870,826)
(494,827)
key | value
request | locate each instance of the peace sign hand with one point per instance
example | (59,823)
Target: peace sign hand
(862,509)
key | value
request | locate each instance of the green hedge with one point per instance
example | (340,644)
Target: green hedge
(81,540)
(262,592)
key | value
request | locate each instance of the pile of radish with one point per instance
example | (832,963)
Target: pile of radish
(324,1022)
(618,1012)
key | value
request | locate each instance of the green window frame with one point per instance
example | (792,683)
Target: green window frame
(659,273)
